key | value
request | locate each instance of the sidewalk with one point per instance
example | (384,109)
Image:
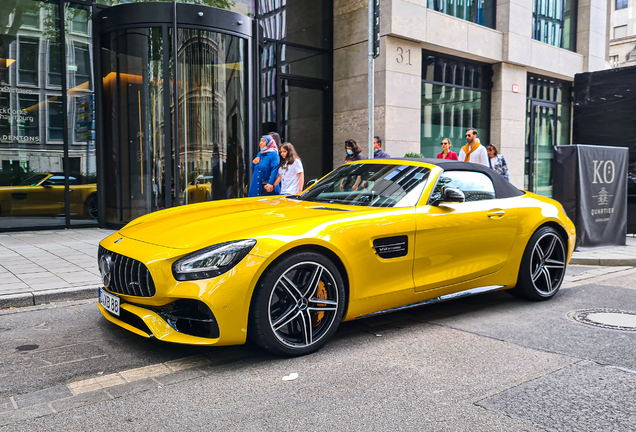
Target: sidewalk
(39,267)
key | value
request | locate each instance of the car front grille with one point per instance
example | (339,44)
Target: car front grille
(129,276)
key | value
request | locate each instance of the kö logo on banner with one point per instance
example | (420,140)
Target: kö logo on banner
(607,168)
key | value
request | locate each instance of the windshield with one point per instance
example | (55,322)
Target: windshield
(373,185)
(32,181)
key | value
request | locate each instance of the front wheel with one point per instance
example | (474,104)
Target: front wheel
(543,266)
(298,305)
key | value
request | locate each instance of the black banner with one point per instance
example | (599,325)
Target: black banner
(591,183)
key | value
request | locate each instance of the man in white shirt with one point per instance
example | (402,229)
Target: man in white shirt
(473,151)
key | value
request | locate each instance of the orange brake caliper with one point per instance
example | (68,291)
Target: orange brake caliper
(321,293)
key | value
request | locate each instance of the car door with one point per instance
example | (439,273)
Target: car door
(45,198)
(460,242)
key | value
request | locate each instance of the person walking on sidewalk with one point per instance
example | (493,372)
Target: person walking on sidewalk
(446,152)
(291,175)
(378,153)
(497,161)
(473,151)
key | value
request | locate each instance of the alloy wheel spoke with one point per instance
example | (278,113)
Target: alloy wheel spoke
(537,273)
(550,248)
(539,252)
(313,284)
(319,301)
(291,288)
(323,308)
(548,279)
(285,319)
(307,328)
(550,263)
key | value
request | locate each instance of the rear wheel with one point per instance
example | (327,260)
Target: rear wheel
(90,207)
(298,305)
(542,267)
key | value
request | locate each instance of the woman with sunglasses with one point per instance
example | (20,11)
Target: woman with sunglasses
(446,152)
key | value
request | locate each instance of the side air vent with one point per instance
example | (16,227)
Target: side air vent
(328,208)
(391,247)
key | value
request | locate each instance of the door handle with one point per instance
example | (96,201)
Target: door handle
(496,214)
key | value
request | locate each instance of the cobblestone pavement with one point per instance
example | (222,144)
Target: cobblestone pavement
(39,267)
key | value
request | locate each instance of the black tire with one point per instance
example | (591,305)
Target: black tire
(287,317)
(542,266)
(90,208)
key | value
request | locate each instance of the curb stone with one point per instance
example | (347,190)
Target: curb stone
(65,294)
(16,300)
(49,296)
(605,262)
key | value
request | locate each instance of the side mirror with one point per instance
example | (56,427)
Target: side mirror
(47,184)
(452,195)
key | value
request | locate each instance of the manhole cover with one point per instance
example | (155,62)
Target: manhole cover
(606,318)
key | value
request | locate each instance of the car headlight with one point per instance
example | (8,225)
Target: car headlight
(212,261)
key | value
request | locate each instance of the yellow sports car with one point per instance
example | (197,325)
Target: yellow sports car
(371,237)
(43,195)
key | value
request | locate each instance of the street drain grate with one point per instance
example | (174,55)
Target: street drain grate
(612,319)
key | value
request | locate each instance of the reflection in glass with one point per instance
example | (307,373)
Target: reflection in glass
(308,27)
(212,115)
(132,76)
(29,71)
(547,125)
(553,22)
(478,11)
(455,97)
(303,125)
(81,113)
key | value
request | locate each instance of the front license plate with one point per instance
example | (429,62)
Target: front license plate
(109,302)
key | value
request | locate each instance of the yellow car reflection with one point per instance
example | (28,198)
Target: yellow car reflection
(285,271)
(198,191)
(43,195)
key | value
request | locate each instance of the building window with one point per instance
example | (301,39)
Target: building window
(621,4)
(477,11)
(614,61)
(28,56)
(5,116)
(547,125)
(55,114)
(455,97)
(620,31)
(28,117)
(82,66)
(80,21)
(31,20)
(54,77)
(554,22)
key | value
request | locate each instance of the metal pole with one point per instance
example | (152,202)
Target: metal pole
(371,82)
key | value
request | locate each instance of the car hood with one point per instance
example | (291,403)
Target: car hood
(196,226)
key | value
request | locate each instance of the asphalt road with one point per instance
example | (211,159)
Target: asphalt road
(486,363)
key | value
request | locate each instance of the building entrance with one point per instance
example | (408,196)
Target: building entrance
(175,105)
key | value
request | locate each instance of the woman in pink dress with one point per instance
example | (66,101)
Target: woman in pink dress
(446,152)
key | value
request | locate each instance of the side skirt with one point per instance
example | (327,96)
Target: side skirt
(446,297)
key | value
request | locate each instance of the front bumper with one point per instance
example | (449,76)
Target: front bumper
(226,298)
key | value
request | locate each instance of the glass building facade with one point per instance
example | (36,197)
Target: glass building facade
(554,22)
(163,141)
(480,12)
(547,125)
(455,97)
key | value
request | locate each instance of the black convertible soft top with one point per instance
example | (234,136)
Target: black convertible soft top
(503,188)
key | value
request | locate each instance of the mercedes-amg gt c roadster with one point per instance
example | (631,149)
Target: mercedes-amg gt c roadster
(371,237)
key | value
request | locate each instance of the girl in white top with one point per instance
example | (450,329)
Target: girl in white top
(291,175)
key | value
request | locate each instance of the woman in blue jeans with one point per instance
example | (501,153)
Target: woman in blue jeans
(265,168)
